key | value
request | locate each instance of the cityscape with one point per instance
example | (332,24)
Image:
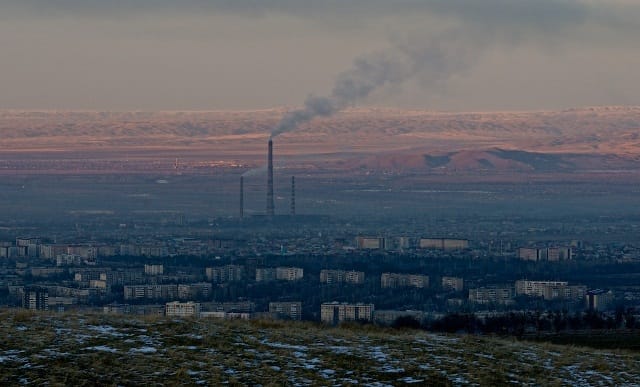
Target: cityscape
(326,193)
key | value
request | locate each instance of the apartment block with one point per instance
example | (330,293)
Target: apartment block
(550,290)
(289,310)
(599,299)
(152,292)
(443,243)
(491,295)
(265,274)
(552,254)
(153,269)
(224,274)
(289,273)
(453,283)
(35,299)
(397,280)
(334,312)
(370,243)
(182,309)
(341,276)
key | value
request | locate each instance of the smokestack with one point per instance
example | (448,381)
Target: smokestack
(241,197)
(270,206)
(293,195)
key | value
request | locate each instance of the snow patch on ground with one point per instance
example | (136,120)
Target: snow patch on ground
(102,348)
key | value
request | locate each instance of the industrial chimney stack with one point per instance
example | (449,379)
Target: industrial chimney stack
(241,197)
(270,205)
(293,195)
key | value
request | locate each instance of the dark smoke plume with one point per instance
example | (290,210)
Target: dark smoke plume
(432,62)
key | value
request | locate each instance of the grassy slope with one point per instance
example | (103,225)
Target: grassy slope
(94,349)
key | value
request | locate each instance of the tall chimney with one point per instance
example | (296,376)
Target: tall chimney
(270,205)
(241,197)
(293,195)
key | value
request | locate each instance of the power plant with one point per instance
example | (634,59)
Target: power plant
(270,205)
(293,195)
(241,197)
(270,209)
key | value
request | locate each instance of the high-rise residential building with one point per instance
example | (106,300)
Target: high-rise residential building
(35,298)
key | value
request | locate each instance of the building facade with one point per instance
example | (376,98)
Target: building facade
(287,310)
(453,283)
(334,312)
(341,276)
(491,295)
(182,309)
(397,280)
(35,299)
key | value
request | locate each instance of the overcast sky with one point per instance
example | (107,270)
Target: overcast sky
(254,54)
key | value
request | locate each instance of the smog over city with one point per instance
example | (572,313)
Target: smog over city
(325,192)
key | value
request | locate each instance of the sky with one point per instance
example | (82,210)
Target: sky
(457,55)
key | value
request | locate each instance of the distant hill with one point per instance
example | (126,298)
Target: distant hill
(493,160)
(598,138)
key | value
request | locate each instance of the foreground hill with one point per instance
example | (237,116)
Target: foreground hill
(94,349)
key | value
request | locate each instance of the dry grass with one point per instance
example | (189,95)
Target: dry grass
(106,350)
